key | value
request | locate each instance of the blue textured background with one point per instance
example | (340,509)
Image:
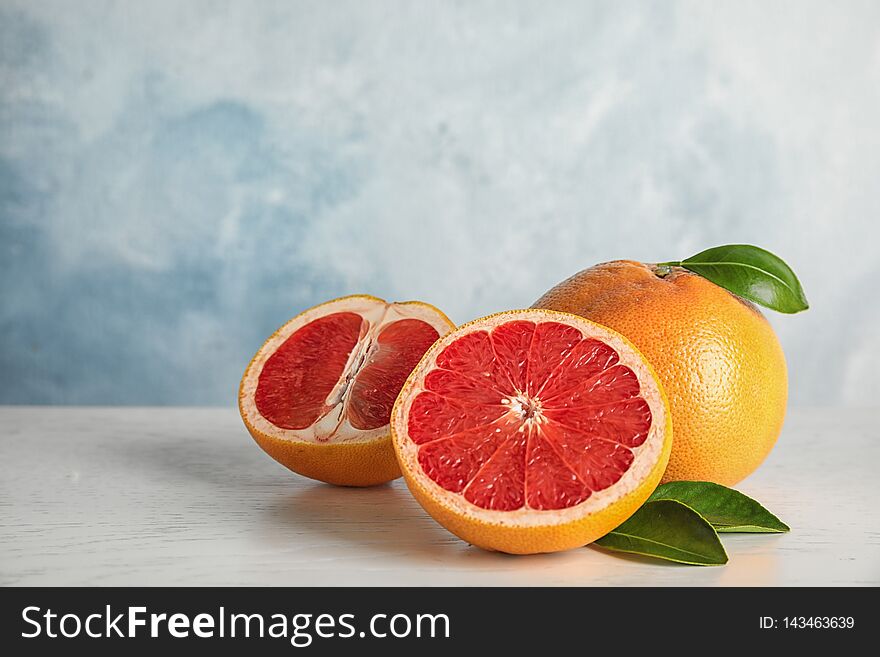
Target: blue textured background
(178,179)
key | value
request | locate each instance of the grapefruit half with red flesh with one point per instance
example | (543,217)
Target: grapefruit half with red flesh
(532,431)
(318,395)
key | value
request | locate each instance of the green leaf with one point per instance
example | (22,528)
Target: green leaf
(728,510)
(667,529)
(751,273)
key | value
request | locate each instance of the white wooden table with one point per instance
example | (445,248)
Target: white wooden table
(183,496)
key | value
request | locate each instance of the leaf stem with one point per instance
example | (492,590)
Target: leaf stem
(663,269)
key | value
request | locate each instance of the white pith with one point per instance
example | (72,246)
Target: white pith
(334,425)
(646,456)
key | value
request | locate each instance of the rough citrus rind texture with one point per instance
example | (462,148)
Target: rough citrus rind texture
(717,356)
(532,539)
(342,464)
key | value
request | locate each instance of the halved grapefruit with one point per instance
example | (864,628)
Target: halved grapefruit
(318,394)
(532,431)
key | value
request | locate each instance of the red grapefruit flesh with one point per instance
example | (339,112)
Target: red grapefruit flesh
(399,346)
(297,379)
(532,431)
(329,378)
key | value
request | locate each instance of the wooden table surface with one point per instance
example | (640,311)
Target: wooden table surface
(179,496)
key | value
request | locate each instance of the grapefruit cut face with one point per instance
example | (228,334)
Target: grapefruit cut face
(531,419)
(330,376)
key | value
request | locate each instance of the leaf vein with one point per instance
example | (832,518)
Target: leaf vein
(666,545)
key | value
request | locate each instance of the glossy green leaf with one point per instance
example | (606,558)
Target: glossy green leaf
(751,273)
(667,529)
(728,510)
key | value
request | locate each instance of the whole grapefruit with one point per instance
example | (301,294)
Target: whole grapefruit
(716,355)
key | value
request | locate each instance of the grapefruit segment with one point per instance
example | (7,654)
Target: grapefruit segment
(616,384)
(454,462)
(398,348)
(586,360)
(473,356)
(318,394)
(531,431)
(625,422)
(298,377)
(551,348)
(597,462)
(511,343)
(464,389)
(500,483)
(434,416)
(551,482)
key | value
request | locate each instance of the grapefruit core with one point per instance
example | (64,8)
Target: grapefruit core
(318,394)
(532,431)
